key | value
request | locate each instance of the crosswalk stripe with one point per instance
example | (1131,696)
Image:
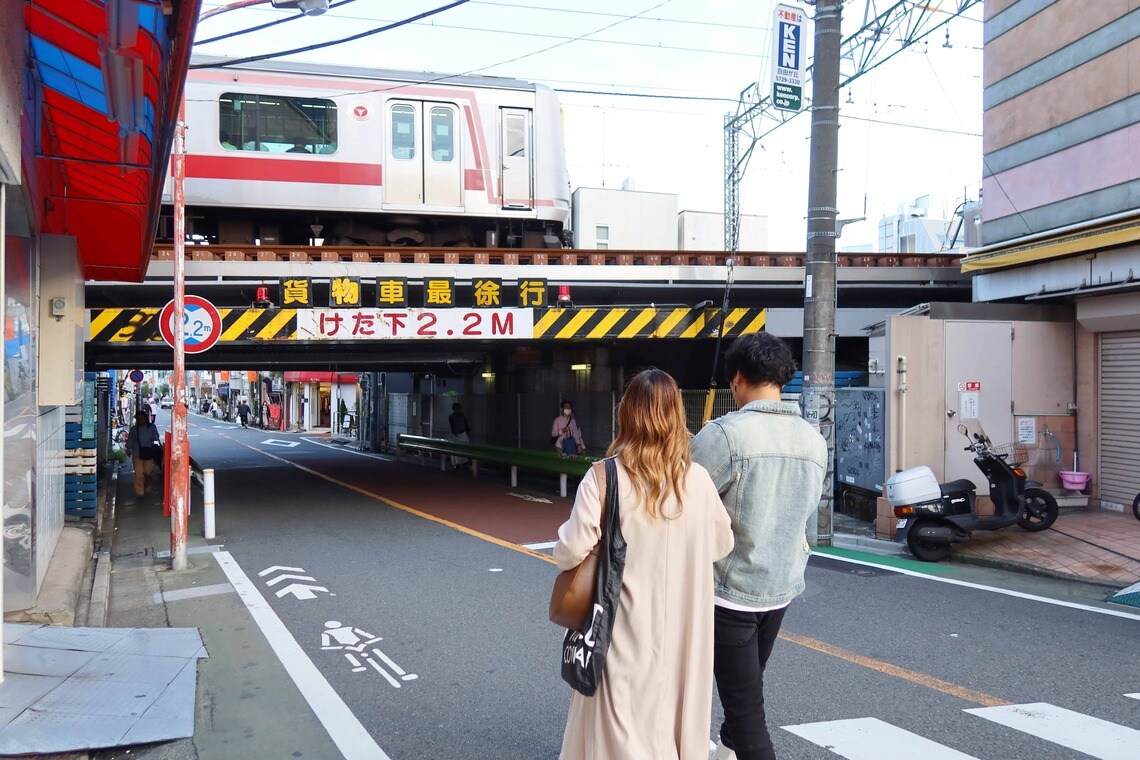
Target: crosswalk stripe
(873,739)
(1083,733)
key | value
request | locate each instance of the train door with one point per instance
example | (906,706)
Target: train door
(422,166)
(516,175)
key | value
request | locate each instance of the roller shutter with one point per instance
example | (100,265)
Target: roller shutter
(1120,417)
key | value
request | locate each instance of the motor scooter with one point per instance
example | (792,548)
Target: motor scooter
(933,516)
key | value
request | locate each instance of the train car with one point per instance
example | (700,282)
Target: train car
(282,153)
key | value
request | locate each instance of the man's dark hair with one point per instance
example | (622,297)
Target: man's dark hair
(455,407)
(760,358)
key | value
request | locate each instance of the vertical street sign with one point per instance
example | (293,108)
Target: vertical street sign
(788,58)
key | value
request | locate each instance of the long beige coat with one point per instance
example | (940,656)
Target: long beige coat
(655,699)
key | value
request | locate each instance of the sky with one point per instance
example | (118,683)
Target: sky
(909,128)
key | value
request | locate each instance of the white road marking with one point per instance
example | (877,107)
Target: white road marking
(1133,696)
(1084,733)
(224,427)
(302,591)
(289,576)
(165,553)
(345,450)
(194,592)
(350,737)
(282,444)
(980,587)
(528,497)
(494,569)
(278,568)
(873,739)
(540,545)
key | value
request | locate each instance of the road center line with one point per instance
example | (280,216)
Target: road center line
(981,587)
(350,737)
(930,682)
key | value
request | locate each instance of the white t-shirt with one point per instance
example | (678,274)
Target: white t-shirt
(745,608)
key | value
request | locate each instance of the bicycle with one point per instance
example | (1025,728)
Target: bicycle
(1136,506)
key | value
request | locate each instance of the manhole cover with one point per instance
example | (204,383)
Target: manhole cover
(811,589)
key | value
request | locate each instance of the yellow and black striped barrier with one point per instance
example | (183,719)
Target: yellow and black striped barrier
(608,323)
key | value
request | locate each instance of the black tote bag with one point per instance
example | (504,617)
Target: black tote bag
(584,651)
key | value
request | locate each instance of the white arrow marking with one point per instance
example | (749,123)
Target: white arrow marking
(301,590)
(276,568)
(280,578)
(528,497)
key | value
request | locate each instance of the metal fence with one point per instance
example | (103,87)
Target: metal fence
(523,420)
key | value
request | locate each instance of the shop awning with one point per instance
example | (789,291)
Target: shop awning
(106,79)
(1121,229)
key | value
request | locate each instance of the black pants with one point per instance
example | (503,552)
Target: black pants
(744,642)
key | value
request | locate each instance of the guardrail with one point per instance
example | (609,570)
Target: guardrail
(526,459)
(538,256)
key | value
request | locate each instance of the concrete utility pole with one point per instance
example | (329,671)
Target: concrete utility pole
(819,284)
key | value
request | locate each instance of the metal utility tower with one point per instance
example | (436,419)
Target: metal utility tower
(882,36)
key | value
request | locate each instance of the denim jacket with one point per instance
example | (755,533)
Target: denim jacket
(768,465)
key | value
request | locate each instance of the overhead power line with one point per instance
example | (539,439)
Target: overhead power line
(578,11)
(259,27)
(330,43)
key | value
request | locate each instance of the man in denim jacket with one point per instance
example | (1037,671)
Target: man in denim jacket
(769,466)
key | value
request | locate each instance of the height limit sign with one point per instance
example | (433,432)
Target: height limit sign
(788,58)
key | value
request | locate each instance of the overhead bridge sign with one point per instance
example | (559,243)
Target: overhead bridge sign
(788,58)
(414,324)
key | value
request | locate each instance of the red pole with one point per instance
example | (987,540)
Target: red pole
(180,452)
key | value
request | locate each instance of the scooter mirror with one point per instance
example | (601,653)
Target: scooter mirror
(963,430)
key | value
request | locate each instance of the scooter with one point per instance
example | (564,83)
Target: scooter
(933,516)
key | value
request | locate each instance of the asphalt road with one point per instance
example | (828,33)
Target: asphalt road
(464,613)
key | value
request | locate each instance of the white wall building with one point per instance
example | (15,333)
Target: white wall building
(704,231)
(921,226)
(624,219)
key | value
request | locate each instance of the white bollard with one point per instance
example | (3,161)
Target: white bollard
(562,485)
(208,503)
(514,476)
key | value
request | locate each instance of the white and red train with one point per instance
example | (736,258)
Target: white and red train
(279,153)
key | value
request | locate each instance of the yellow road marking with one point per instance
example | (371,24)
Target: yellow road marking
(579,319)
(275,324)
(641,320)
(105,317)
(886,668)
(607,322)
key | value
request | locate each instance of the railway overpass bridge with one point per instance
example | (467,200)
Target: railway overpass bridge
(370,308)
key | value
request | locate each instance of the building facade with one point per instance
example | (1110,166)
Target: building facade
(1060,221)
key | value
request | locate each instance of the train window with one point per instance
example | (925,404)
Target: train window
(442,134)
(403,132)
(277,124)
(516,136)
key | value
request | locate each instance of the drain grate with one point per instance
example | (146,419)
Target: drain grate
(1129,596)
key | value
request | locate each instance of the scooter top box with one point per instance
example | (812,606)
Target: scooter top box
(913,486)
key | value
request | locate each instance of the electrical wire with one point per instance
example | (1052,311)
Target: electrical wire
(647,95)
(330,43)
(259,27)
(618,15)
(910,126)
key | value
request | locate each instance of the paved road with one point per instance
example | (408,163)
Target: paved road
(876,663)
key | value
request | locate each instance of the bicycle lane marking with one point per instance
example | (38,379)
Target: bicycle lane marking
(346,731)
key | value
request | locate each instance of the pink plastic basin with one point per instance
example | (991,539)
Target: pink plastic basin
(1075,481)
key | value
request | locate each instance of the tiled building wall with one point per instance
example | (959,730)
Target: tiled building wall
(1061,99)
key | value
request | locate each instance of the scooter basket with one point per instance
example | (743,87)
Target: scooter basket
(1014,454)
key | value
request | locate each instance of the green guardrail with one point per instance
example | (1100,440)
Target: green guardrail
(526,459)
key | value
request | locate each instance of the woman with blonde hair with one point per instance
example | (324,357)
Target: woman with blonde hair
(655,697)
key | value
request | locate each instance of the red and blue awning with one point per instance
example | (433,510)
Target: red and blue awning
(105,80)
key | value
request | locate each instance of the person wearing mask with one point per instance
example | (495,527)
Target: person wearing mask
(768,465)
(460,431)
(654,701)
(143,446)
(565,433)
(244,411)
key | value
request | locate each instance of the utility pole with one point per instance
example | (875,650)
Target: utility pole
(819,283)
(179,445)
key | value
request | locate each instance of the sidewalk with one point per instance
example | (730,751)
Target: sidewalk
(1091,545)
